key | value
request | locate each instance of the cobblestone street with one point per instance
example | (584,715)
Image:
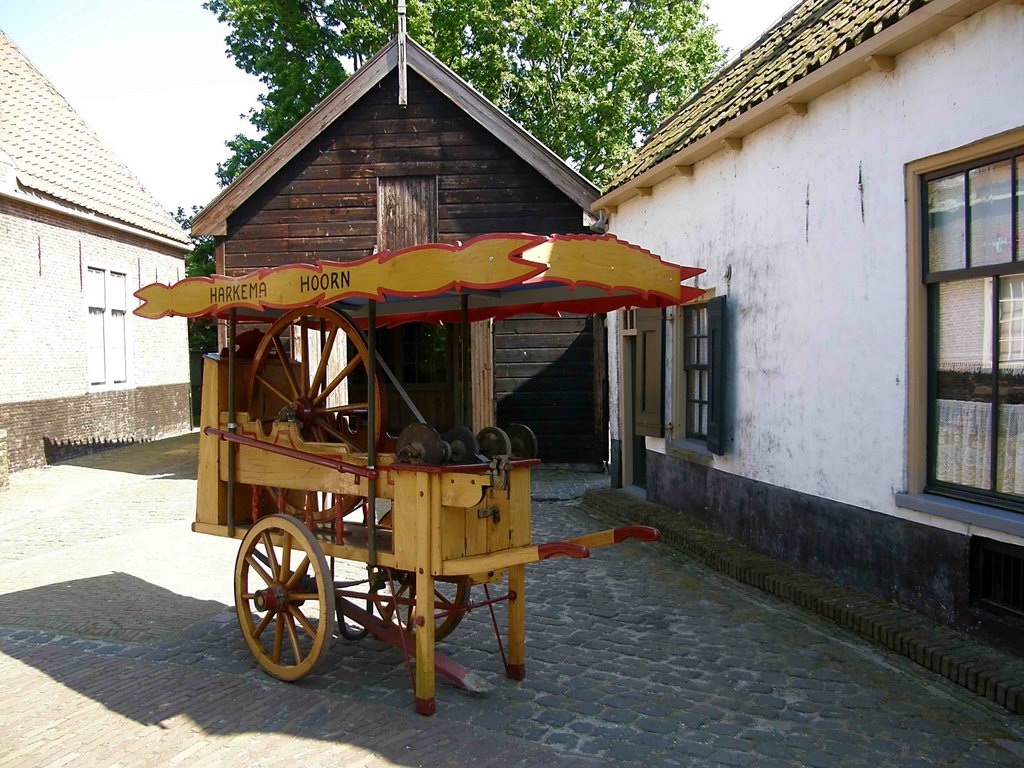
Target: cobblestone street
(118,645)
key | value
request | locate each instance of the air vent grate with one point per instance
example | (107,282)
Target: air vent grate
(999,575)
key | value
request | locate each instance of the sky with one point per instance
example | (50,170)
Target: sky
(152,79)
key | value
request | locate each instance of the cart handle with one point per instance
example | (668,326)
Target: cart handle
(566,548)
(294,453)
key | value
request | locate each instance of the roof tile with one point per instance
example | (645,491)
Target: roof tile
(57,154)
(809,36)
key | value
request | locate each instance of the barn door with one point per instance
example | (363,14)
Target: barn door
(406,211)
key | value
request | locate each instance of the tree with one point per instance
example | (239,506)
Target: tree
(589,78)
(199,262)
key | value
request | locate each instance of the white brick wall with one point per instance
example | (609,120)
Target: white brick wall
(43,310)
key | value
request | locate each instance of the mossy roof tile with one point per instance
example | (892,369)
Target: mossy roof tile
(809,36)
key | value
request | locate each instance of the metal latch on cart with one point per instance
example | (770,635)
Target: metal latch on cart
(489,512)
(498,471)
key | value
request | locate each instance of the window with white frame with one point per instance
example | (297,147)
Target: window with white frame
(105,293)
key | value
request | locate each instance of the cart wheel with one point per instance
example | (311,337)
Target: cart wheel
(447,595)
(290,370)
(298,602)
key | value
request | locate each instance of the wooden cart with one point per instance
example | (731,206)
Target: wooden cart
(295,460)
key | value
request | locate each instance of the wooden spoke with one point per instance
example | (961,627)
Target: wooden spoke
(346,408)
(255,565)
(268,389)
(286,558)
(345,373)
(293,637)
(262,380)
(278,638)
(298,573)
(286,364)
(304,363)
(301,618)
(275,569)
(262,625)
(321,369)
(289,533)
(340,435)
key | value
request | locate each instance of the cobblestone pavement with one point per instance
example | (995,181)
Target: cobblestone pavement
(117,641)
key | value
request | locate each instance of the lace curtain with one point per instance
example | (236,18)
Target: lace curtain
(963,448)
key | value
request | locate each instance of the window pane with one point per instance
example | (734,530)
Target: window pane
(94,329)
(116,357)
(94,288)
(990,214)
(963,406)
(946,224)
(1010,451)
(116,292)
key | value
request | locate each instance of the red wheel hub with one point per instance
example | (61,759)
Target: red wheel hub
(303,408)
(273,599)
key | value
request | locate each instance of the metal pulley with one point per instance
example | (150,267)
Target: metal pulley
(463,444)
(421,444)
(524,442)
(494,442)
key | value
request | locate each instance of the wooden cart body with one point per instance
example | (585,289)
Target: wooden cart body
(467,523)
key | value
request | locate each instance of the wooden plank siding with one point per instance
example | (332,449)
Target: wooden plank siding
(544,377)
(323,204)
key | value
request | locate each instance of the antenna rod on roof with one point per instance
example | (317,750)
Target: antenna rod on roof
(403,82)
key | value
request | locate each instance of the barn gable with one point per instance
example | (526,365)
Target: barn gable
(362,173)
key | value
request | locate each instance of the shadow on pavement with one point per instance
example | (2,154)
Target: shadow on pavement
(172,458)
(115,607)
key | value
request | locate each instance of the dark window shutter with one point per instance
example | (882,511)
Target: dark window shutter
(647,390)
(716,342)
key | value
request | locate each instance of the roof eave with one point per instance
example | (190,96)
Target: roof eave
(923,24)
(212,220)
(541,158)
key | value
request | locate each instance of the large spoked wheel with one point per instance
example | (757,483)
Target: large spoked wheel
(307,362)
(286,612)
(449,596)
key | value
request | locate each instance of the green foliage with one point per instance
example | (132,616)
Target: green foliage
(589,78)
(201,261)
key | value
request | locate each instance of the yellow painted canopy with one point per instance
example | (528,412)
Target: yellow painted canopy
(503,275)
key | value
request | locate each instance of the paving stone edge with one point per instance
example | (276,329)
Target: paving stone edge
(997,676)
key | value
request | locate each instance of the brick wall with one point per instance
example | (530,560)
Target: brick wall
(44,431)
(5,467)
(45,389)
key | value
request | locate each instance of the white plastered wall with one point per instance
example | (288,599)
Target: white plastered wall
(810,216)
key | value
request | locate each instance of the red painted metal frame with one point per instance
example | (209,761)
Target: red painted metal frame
(469,469)
(294,453)
(404,640)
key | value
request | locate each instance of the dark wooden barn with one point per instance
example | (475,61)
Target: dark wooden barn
(362,173)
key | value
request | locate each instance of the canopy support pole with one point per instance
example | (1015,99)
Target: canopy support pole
(465,417)
(232,426)
(371,433)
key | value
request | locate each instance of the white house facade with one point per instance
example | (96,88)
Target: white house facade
(863,221)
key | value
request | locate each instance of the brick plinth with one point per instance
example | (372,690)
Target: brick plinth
(44,431)
(5,464)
